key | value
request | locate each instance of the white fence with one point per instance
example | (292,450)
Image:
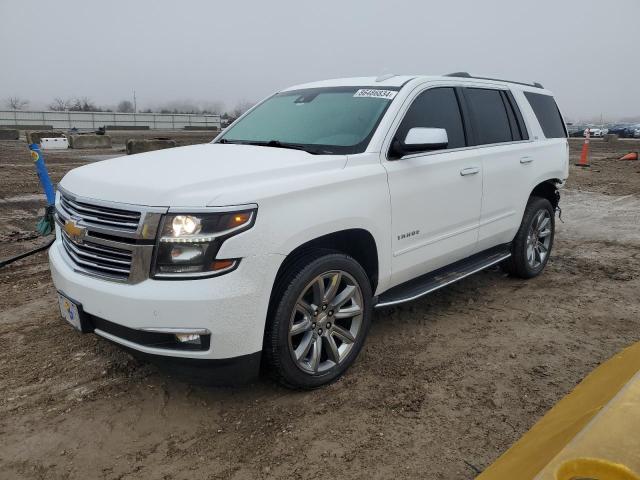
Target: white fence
(94,120)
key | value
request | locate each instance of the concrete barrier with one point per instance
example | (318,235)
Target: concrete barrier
(54,143)
(7,134)
(138,145)
(198,127)
(28,127)
(610,138)
(127,127)
(35,136)
(89,141)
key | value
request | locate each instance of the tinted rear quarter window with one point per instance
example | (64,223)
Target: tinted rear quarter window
(547,113)
(490,120)
(435,108)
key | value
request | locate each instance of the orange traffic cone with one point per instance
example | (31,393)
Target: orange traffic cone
(584,156)
(630,156)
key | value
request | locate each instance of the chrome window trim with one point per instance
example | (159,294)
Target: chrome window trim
(420,89)
(460,149)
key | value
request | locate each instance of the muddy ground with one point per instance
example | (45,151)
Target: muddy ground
(443,386)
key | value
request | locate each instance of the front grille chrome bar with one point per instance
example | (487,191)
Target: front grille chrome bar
(91,216)
(113,219)
(117,239)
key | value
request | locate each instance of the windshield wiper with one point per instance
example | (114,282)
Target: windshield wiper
(278,144)
(293,146)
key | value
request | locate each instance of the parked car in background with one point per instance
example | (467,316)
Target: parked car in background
(595,132)
(636,131)
(575,130)
(624,130)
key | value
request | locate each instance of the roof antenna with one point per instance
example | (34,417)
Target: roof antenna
(384,77)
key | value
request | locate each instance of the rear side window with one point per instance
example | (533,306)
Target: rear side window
(435,108)
(490,120)
(547,113)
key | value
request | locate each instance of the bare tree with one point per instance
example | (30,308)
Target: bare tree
(180,106)
(16,103)
(60,104)
(214,108)
(241,107)
(83,104)
(125,106)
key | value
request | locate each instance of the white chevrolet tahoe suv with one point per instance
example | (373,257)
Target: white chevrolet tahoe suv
(273,244)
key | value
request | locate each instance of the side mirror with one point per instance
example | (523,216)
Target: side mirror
(420,139)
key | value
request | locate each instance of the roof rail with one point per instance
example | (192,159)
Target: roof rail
(468,75)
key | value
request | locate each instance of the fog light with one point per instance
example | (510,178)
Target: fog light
(188,338)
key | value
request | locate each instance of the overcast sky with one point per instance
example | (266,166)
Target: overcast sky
(587,52)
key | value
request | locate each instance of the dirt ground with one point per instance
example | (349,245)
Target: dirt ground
(443,386)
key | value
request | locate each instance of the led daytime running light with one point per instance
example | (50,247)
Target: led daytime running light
(198,239)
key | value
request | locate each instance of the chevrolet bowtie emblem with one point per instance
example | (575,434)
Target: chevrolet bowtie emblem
(75,232)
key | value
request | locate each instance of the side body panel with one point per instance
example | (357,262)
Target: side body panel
(435,208)
(435,211)
(353,197)
(511,172)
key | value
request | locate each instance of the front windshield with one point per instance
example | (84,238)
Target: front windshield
(319,120)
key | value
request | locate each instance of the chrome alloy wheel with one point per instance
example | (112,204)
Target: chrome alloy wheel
(325,322)
(539,239)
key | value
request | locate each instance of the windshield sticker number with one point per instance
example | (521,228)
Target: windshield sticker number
(375,93)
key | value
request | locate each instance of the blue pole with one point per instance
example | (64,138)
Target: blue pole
(43,174)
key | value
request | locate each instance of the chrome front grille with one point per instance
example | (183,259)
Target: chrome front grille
(99,259)
(98,215)
(109,240)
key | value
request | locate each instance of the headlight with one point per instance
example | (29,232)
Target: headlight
(189,243)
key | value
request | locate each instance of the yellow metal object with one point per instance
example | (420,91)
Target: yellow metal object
(611,442)
(599,419)
(72,229)
(594,468)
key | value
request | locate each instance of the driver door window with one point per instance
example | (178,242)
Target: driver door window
(435,108)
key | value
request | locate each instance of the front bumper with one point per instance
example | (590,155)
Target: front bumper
(232,307)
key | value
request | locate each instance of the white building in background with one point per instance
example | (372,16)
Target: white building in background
(95,120)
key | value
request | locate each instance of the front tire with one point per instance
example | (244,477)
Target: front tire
(532,244)
(320,317)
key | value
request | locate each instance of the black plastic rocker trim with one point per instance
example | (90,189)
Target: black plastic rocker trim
(425,284)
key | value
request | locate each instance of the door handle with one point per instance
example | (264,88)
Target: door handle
(469,171)
(524,160)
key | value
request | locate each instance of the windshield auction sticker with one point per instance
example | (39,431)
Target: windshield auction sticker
(375,93)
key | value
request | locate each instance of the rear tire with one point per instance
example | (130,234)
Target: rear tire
(532,244)
(319,319)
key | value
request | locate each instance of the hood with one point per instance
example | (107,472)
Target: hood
(197,175)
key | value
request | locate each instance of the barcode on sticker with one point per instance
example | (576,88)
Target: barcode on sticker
(375,93)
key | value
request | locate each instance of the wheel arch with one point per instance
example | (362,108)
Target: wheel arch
(548,189)
(358,243)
